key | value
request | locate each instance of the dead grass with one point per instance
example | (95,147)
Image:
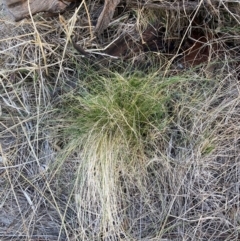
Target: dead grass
(179,181)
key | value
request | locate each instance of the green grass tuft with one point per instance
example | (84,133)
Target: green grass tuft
(118,124)
(123,110)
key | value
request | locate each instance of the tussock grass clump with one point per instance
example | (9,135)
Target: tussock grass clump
(151,156)
(124,111)
(120,125)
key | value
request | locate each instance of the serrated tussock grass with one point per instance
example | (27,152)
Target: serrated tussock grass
(121,110)
(118,124)
(170,173)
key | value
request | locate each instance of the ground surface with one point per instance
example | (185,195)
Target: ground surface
(145,146)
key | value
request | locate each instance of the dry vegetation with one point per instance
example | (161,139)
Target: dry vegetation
(145,146)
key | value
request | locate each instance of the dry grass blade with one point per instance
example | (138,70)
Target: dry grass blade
(124,148)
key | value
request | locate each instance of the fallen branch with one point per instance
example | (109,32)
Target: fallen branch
(19,9)
(106,15)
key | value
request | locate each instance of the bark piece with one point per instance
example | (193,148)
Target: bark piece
(106,15)
(19,9)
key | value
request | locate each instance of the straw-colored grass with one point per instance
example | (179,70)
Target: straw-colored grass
(119,150)
(121,126)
